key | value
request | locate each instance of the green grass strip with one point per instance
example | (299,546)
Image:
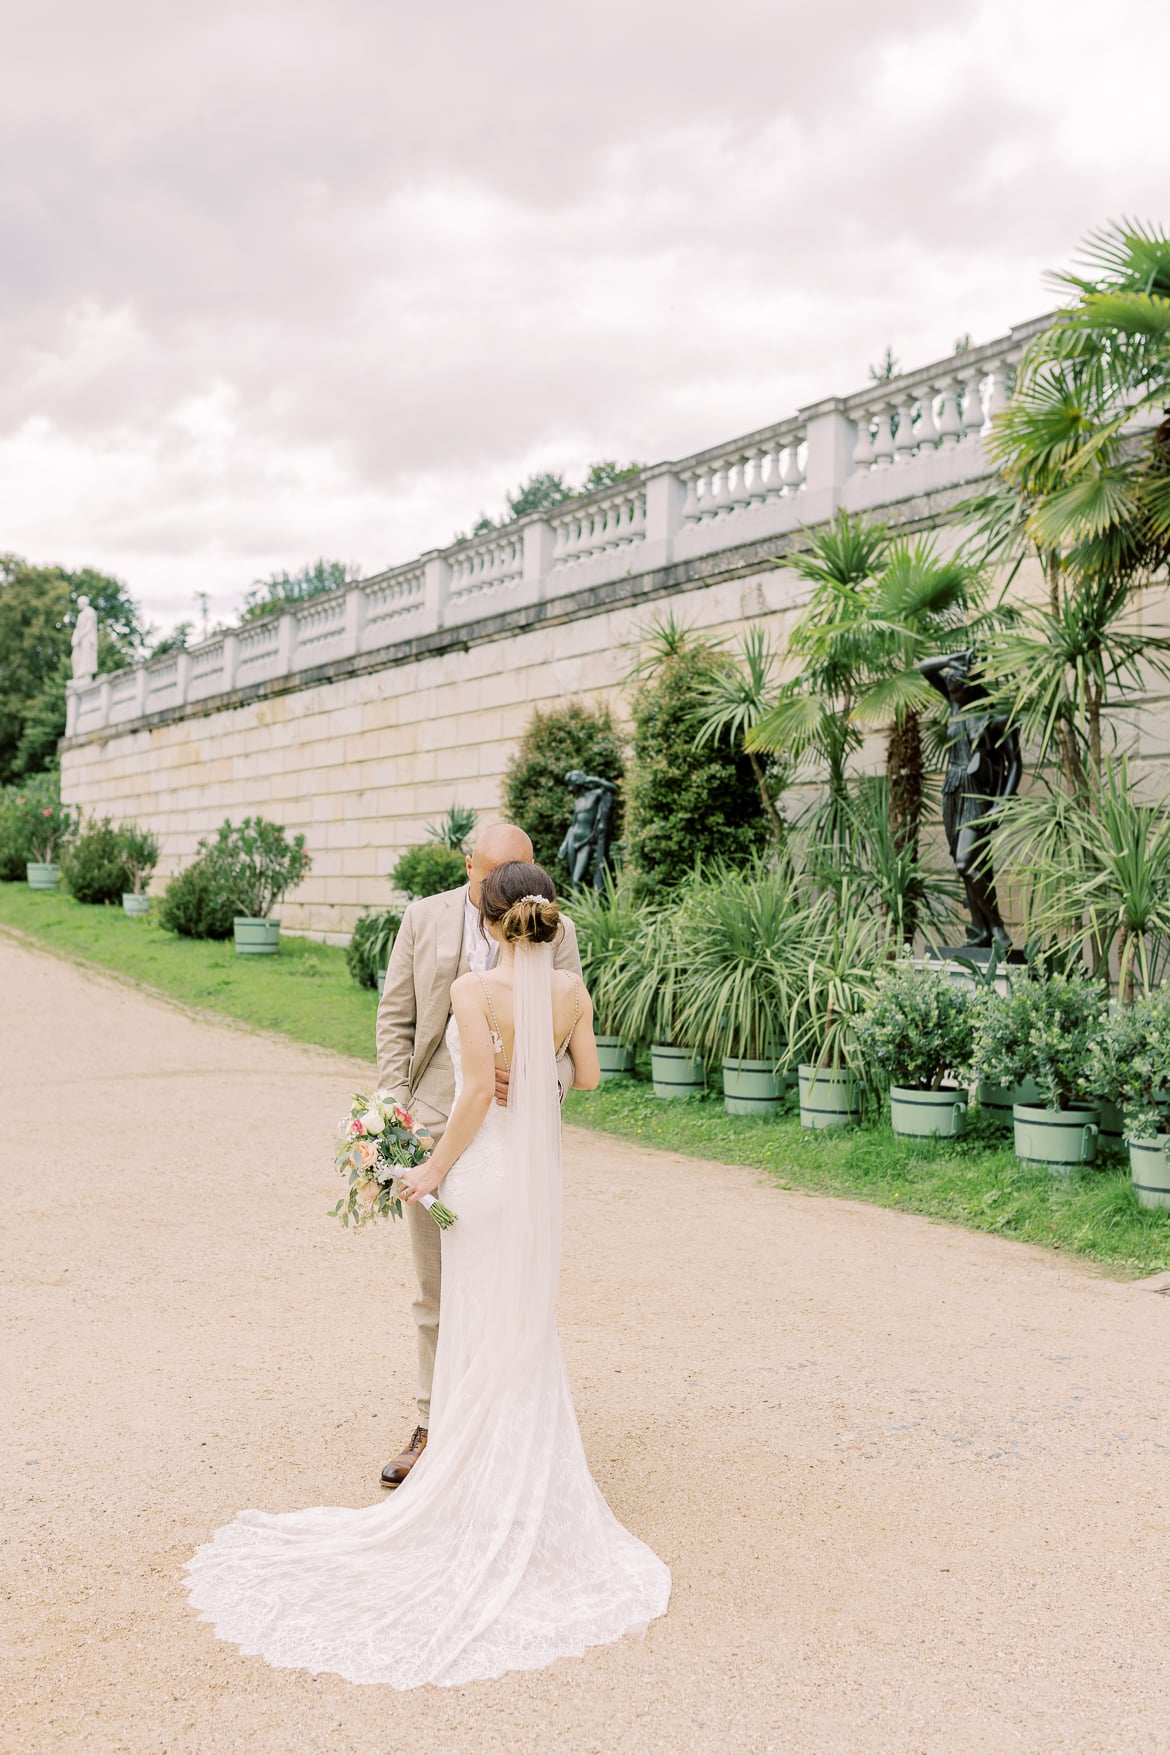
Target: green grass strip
(305,991)
(976,1182)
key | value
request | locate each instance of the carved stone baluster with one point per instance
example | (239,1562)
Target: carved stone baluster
(883,443)
(863,450)
(718,482)
(926,432)
(692,511)
(637,529)
(973,405)
(905,441)
(791,474)
(997,396)
(758,486)
(739,495)
(949,423)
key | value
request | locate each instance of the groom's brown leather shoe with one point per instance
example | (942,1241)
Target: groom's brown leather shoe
(396,1472)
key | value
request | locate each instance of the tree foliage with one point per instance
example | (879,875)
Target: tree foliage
(535,795)
(282,590)
(685,804)
(38,612)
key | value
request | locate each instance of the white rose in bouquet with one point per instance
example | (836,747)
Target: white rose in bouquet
(373,1121)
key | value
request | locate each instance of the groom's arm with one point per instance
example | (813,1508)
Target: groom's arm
(567,957)
(397,1016)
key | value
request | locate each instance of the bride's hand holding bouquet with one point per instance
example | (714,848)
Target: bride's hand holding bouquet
(376,1143)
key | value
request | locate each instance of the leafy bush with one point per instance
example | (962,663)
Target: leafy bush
(1129,1064)
(94,866)
(34,825)
(261,864)
(198,901)
(140,851)
(918,1027)
(1043,1028)
(685,805)
(429,868)
(370,945)
(535,795)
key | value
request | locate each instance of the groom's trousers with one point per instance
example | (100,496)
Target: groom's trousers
(424,1246)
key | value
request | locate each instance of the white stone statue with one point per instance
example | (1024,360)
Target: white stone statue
(85,641)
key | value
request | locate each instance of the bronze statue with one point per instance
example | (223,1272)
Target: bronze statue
(590,828)
(984,769)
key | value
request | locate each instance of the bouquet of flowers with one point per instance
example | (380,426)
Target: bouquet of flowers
(376,1141)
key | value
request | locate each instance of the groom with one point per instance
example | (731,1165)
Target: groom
(440,939)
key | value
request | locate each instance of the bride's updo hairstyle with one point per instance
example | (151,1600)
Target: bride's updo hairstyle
(520,901)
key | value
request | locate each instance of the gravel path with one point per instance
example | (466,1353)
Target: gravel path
(912,1483)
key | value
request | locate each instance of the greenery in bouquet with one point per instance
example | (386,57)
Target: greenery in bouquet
(375,1143)
(917,1027)
(1129,1064)
(1042,1028)
(370,944)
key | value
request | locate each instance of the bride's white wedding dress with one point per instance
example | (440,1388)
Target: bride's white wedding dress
(498,1552)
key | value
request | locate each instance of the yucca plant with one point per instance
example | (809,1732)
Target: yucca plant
(829,972)
(737,927)
(640,993)
(608,922)
(1096,868)
(452,831)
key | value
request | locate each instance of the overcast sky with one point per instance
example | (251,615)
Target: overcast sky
(330,278)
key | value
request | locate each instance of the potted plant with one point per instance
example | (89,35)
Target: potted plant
(641,997)
(737,924)
(371,941)
(139,858)
(1043,1028)
(1130,1065)
(829,991)
(917,1030)
(260,865)
(48,826)
(607,923)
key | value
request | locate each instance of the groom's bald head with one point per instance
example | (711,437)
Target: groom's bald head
(495,846)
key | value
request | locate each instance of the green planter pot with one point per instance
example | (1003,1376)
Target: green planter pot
(752,1087)
(135,906)
(922,1115)
(256,938)
(998,1102)
(677,1072)
(1112,1125)
(42,877)
(829,1098)
(616,1057)
(1150,1169)
(1060,1138)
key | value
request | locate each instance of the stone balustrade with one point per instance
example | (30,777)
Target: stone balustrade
(894,441)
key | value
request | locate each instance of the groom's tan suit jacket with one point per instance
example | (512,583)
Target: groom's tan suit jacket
(414,1063)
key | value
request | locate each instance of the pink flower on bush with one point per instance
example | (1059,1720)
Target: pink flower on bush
(47,813)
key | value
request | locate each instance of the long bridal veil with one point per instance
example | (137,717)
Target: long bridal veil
(498,1552)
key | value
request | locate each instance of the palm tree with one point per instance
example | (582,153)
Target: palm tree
(734,701)
(1088,492)
(878,605)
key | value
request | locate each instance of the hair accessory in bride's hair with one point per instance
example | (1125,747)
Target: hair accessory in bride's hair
(534,898)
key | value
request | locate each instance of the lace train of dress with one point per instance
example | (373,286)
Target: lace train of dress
(498,1552)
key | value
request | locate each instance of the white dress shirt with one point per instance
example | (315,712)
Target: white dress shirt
(481,951)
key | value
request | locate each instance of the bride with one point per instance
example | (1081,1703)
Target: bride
(497,1552)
